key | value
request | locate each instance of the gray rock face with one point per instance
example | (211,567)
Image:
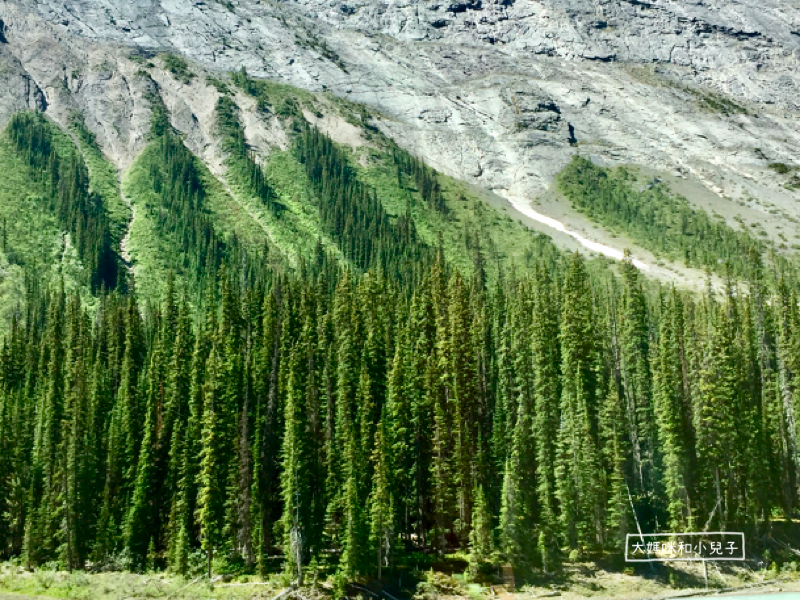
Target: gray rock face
(498,92)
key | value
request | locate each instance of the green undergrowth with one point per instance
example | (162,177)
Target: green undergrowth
(154,252)
(458,217)
(468,225)
(297,229)
(178,67)
(274,196)
(655,218)
(103,179)
(271,97)
(576,580)
(151,253)
(48,582)
(230,217)
(31,236)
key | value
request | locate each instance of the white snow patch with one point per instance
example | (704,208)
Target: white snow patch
(523,207)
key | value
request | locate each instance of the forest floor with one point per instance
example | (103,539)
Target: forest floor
(579,580)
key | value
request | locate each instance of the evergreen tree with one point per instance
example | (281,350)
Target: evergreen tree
(381,507)
(636,383)
(47,476)
(578,485)
(544,338)
(481,542)
(213,473)
(670,406)
(518,509)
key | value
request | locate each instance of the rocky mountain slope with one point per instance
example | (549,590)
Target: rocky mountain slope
(498,93)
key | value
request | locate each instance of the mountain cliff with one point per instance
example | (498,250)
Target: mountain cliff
(500,94)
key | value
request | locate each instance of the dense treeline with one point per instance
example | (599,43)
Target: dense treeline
(241,159)
(349,420)
(183,219)
(335,421)
(353,215)
(66,180)
(654,217)
(182,215)
(423,176)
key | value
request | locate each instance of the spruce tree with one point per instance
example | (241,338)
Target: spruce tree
(544,349)
(670,404)
(578,473)
(518,510)
(213,474)
(47,474)
(636,381)
(268,413)
(481,538)
(381,534)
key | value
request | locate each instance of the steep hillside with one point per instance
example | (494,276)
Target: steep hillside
(298,293)
(499,95)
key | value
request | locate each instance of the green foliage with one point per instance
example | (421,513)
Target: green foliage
(423,177)
(578,467)
(481,542)
(178,209)
(241,160)
(472,228)
(780,168)
(718,103)
(184,220)
(30,235)
(283,100)
(159,117)
(655,218)
(103,179)
(178,66)
(220,85)
(66,183)
(289,431)
(351,212)
(384,411)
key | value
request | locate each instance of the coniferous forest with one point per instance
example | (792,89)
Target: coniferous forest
(349,417)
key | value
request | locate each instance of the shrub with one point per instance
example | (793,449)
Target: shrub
(178,67)
(781,168)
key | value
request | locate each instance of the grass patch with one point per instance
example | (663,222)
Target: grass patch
(49,582)
(780,168)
